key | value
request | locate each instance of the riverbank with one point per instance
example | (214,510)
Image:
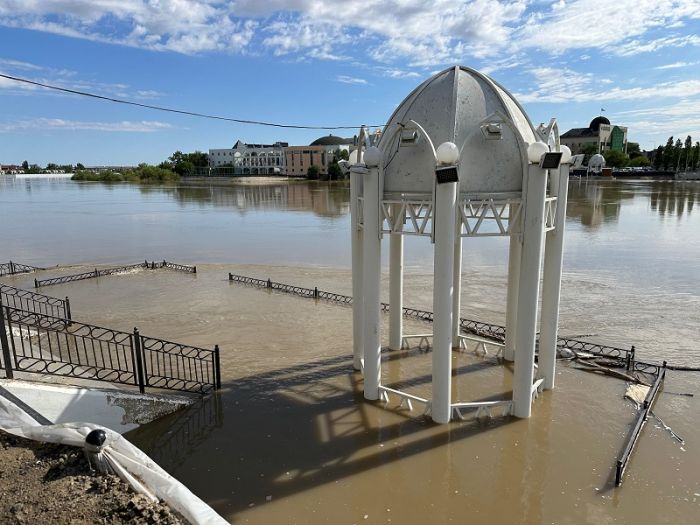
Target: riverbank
(44,483)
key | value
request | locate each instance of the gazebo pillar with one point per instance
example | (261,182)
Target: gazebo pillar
(528,290)
(551,286)
(457,282)
(512,293)
(371,282)
(357,262)
(443,289)
(395,284)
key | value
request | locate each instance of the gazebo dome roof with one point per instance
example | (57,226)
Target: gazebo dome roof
(454,105)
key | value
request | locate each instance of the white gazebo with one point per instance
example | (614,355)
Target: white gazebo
(459,158)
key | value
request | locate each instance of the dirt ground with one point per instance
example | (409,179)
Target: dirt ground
(45,483)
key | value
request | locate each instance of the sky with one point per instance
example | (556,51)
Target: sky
(327,63)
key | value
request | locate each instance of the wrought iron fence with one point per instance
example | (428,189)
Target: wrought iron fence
(34,302)
(493,331)
(642,416)
(37,343)
(112,271)
(12,268)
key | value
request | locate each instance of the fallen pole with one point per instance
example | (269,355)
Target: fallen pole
(642,418)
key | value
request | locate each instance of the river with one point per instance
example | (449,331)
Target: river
(290,440)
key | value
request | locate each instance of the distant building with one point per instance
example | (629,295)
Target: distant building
(599,133)
(251,159)
(11,169)
(280,158)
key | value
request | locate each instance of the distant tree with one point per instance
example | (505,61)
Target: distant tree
(79,166)
(687,151)
(184,163)
(341,154)
(658,157)
(52,166)
(615,159)
(313,172)
(640,161)
(334,171)
(696,155)
(667,157)
(34,168)
(633,150)
(677,153)
(25,165)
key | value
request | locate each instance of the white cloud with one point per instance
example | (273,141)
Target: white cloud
(676,65)
(350,80)
(143,126)
(615,27)
(557,85)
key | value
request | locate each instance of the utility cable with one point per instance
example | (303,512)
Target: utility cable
(171,110)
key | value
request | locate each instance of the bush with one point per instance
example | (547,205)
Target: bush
(93,176)
(144,174)
(313,172)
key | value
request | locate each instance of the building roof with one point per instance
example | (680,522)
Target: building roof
(331,140)
(579,132)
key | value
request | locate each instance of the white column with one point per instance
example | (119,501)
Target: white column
(357,262)
(512,295)
(371,283)
(528,291)
(444,225)
(457,283)
(395,285)
(551,286)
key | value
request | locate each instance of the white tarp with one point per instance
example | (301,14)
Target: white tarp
(129,462)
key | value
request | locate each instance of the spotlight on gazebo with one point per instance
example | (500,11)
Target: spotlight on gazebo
(493,174)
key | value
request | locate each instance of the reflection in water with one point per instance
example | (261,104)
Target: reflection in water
(674,198)
(323,199)
(595,203)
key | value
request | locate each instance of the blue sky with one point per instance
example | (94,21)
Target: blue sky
(331,62)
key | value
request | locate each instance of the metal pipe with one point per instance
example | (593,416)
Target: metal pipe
(395,285)
(457,283)
(371,283)
(357,261)
(551,286)
(443,287)
(514,252)
(528,291)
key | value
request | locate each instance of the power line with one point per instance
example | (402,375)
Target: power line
(171,110)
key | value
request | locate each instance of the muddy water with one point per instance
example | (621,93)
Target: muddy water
(289,439)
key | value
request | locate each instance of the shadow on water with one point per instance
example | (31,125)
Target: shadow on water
(286,431)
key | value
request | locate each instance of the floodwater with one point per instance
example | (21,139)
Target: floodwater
(289,438)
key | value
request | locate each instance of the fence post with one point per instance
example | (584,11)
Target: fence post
(68,314)
(269,283)
(194,269)
(97,274)
(12,268)
(36,283)
(217,367)
(230,276)
(140,372)
(5,344)
(315,292)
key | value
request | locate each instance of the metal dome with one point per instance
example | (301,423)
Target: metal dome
(596,122)
(462,106)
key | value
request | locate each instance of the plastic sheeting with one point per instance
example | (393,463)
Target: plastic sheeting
(129,462)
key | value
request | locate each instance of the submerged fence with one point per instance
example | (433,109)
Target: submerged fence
(642,417)
(112,271)
(13,268)
(625,356)
(34,302)
(36,343)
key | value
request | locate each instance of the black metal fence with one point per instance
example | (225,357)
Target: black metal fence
(34,302)
(36,343)
(111,271)
(12,268)
(642,417)
(625,356)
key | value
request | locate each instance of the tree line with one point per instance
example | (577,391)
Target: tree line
(677,155)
